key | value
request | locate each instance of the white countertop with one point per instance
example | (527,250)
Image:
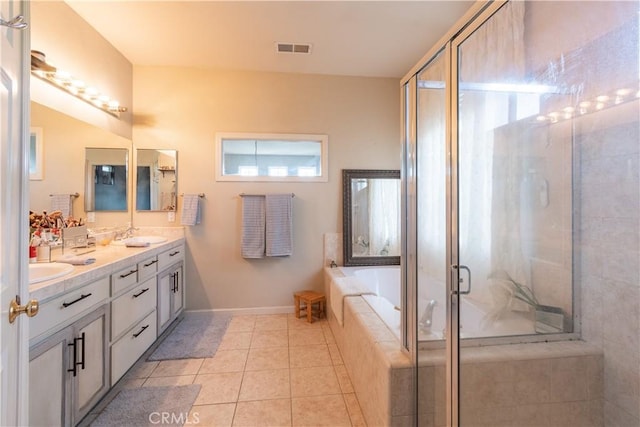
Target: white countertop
(109,259)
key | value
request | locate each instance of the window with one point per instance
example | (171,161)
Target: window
(271,157)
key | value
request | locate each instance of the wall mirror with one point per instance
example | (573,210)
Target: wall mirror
(64,143)
(106,177)
(156,180)
(371,217)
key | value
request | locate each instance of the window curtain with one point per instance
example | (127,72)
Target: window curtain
(384,217)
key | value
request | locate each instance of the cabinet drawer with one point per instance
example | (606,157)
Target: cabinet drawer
(170,257)
(130,347)
(128,308)
(60,310)
(124,278)
(147,268)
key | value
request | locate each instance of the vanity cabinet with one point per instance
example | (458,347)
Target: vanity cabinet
(170,286)
(133,314)
(68,371)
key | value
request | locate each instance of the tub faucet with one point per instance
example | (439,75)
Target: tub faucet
(333,264)
(427,316)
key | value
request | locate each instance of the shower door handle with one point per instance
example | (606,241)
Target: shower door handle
(460,280)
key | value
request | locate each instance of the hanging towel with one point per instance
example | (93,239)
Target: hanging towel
(253,226)
(279,224)
(63,203)
(191,210)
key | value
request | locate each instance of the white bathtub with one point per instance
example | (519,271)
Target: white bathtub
(476,321)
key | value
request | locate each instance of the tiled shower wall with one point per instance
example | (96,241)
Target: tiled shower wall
(608,199)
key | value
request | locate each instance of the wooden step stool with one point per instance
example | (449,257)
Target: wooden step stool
(309,298)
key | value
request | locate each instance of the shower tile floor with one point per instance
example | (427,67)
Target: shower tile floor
(269,370)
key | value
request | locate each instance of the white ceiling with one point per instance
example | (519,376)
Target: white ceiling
(358,38)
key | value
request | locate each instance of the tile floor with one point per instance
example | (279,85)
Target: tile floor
(269,370)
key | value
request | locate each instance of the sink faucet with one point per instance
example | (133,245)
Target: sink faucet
(129,231)
(426,319)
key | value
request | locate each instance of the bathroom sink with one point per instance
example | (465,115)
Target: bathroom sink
(48,271)
(152,240)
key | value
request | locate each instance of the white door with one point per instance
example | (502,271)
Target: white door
(14,119)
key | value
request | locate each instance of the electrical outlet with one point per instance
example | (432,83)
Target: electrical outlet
(91,217)
(171,216)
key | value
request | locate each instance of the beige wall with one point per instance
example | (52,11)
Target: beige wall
(72,45)
(183,108)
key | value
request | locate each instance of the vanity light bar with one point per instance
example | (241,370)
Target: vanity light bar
(76,87)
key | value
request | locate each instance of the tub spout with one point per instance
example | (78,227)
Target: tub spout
(426,319)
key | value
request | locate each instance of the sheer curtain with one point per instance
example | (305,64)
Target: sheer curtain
(384,216)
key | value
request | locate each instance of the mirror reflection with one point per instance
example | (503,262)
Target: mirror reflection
(156,180)
(371,217)
(64,140)
(105,179)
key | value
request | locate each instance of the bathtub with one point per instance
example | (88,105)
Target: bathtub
(476,319)
(381,370)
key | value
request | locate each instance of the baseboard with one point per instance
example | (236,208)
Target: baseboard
(285,309)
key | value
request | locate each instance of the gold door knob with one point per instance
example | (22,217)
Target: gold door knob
(15,309)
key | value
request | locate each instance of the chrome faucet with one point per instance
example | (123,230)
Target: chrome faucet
(333,264)
(426,320)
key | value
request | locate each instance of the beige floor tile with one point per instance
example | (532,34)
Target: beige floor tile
(271,413)
(235,341)
(320,411)
(306,337)
(301,323)
(261,385)
(169,381)
(328,335)
(142,369)
(218,388)
(225,361)
(220,415)
(241,324)
(355,412)
(314,381)
(335,354)
(264,339)
(310,356)
(171,368)
(261,359)
(270,322)
(343,379)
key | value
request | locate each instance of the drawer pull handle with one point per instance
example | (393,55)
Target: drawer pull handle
(122,276)
(140,293)
(141,331)
(174,253)
(82,296)
(151,263)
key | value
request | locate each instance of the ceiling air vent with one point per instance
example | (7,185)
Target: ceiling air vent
(293,48)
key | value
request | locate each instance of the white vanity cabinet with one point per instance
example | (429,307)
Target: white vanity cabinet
(133,314)
(170,286)
(69,371)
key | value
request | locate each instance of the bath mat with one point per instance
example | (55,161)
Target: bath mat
(146,406)
(198,335)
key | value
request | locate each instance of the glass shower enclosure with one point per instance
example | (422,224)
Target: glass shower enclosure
(522,198)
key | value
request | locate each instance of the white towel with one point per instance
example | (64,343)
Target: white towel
(76,260)
(253,226)
(191,210)
(63,203)
(279,224)
(341,287)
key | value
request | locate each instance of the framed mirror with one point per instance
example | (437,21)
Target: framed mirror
(156,180)
(106,178)
(371,217)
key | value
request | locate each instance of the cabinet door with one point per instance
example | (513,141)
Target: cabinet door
(178,291)
(91,381)
(165,290)
(47,381)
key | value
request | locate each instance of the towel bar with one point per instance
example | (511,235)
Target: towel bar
(245,194)
(76,194)
(201,195)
